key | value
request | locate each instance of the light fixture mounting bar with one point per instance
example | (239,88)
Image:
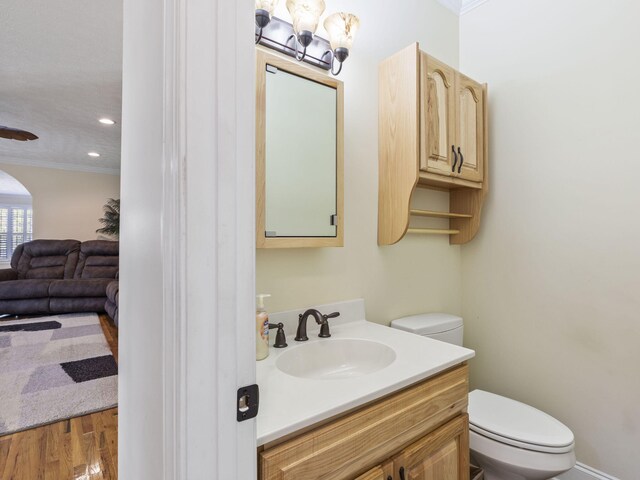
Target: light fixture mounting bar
(276,34)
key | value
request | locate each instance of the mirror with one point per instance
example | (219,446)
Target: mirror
(298,156)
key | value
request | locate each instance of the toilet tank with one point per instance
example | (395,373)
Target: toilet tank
(439,326)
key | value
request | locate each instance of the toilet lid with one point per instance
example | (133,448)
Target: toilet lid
(517,424)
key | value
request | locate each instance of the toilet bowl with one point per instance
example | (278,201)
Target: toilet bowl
(514,441)
(510,440)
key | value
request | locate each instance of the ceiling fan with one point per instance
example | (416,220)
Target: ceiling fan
(16,134)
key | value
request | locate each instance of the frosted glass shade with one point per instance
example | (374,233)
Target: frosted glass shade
(342,28)
(268,5)
(305,14)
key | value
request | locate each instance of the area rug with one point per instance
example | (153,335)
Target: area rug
(53,368)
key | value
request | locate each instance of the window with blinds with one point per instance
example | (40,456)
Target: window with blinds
(16,227)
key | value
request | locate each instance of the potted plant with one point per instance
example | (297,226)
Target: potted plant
(111,219)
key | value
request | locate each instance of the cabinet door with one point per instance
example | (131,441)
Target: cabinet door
(380,472)
(441,455)
(470,128)
(437,112)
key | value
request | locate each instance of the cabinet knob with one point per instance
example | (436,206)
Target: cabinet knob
(461,160)
(455,158)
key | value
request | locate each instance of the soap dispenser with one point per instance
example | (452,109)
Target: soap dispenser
(262,328)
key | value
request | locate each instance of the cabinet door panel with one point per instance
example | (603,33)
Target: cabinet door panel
(470,128)
(437,113)
(441,455)
(380,472)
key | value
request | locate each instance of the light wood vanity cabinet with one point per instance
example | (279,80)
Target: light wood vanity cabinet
(379,472)
(422,429)
(432,134)
(441,455)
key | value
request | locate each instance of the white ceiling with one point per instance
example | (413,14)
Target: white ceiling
(61,70)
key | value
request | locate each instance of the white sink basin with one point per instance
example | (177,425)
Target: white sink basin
(329,359)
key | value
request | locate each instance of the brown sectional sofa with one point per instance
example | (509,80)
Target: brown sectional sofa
(59,276)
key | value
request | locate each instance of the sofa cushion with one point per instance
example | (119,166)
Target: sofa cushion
(17,289)
(111,305)
(8,274)
(76,304)
(46,259)
(96,287)
(98,259)
(112,291)
(26,306)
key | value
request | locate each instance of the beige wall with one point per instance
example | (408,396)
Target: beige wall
(420,273)
(66,204)
(551,285)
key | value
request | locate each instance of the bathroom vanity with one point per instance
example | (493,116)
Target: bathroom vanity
(368,403)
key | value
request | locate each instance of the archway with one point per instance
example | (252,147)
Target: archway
(16,215)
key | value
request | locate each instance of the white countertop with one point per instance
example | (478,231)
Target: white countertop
(289,403)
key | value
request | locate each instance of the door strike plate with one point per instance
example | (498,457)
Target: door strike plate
(248,400)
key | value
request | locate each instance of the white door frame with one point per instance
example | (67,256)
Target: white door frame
(188,144)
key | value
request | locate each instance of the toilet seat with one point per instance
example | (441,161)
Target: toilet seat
(517,424)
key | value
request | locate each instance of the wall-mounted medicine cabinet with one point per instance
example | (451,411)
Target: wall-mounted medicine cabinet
(299,156)
(433,134)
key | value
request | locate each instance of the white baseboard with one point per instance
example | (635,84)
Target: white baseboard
(584,472)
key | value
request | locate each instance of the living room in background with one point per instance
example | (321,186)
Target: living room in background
(16,215)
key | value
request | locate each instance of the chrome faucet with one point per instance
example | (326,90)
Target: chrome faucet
(322,320)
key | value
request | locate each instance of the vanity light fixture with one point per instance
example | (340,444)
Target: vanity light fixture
(298,39)
(264,11)
(305,15)
(106,121)
(342,28)
(93,154)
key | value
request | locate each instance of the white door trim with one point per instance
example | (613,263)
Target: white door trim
(188,255)
(210,276)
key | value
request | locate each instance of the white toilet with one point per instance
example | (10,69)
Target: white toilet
(508,439)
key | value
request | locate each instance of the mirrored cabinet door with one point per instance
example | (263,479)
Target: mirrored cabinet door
(298,156)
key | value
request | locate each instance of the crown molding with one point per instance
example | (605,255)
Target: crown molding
(468,5)
(25,162)
(460,7)
(454,5)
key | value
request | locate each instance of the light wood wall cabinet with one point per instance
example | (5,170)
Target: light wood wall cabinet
(418,433)
(432,134)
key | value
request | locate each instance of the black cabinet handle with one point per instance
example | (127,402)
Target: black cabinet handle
(455,158)
(402,473)
(461,160)
(389,477)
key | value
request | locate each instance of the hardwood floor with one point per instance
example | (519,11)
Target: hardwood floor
(83,448)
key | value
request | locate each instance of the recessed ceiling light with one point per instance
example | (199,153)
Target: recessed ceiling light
(106,121)
(93,154)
